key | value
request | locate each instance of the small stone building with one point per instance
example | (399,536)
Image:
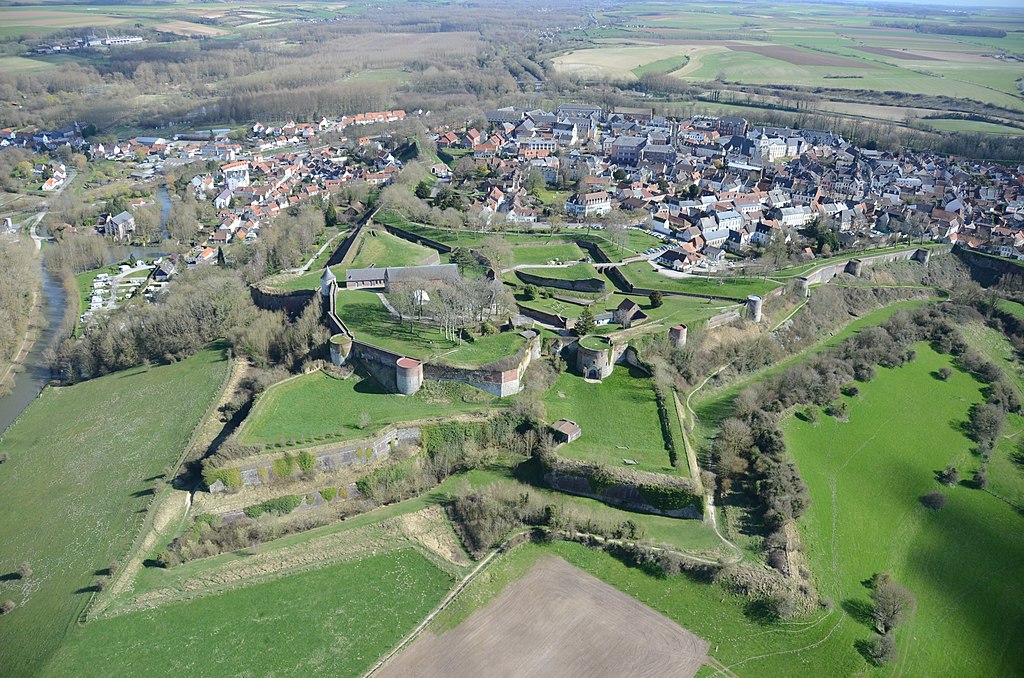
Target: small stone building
(566,431)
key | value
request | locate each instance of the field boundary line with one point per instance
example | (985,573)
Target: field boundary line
(443,605)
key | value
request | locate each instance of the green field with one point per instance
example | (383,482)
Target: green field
(76,488)
(319,404)
(366,316)
(335,621)
(546,254)
(953,125)
(866,479)
(618,417)
(642,275)
(570,273)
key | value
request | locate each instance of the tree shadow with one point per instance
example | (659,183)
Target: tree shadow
(10,576)
(861,612)
(760,612)
(151,562)
(863,647)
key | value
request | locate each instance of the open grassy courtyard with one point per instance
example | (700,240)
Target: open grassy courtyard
(318,404)
(82,461)
(334,621)
(370,321)
(866,479)
(619,419)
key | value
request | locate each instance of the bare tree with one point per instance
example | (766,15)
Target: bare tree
(892,603)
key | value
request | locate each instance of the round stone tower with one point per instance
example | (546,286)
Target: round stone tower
(677,336)
(593,357)
(754,303)
(341,348)
(408,375)
(327,280)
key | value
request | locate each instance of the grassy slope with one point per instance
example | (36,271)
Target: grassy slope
(77,486)
(545,254)
(618,417)
(642,275)
(866,479)
(318,404)
(366,316)
(337,621)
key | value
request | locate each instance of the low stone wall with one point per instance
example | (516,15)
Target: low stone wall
(342,250)
(623,492)
(591,285)
(332,458)
(547,318)
(722,319)
(856,265)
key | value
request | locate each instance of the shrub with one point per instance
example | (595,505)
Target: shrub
(112,568)
(101,583)
(278,507)
(329,493)
(264,474)
(656,298)
(936,501)
(364,420)
(3,458)
(24,570)
(7,607)
(231,477)
(949,475)
(307,461)
(945,373)
(980,480)
(284,466)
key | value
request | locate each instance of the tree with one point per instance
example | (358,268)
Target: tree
(112,567)
(882,649)
(423,190)
(892,603)
(101,583)
(7,607)
(24,570)
(364,420)
(221,259)
(330,214)
(531,292)
(656,298)
(585,322)
(981,479)
(497,251)
(949,475)
(936,501)
(945,373)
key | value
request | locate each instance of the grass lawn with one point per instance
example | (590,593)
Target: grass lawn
(379,248)
(76,489)
(366,316)
(866,479)
(319,404)
(619,419)
(572,273)
(673,310)
(557,253)
(338,621)
(1011,307)
(642,275)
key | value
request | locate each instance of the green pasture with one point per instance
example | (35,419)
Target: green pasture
(82,463)
(618,417)
(318,404)
(540,254)
(337,620)
(866,479)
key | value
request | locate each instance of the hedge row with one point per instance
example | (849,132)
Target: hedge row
(279,506)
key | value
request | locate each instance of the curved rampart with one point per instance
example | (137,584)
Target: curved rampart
(593,285)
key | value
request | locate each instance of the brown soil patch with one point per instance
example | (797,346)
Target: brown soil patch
(556,621)
(187,28)
(896,54)
(800,57)
(429,528)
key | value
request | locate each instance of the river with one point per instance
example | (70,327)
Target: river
(29,383)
